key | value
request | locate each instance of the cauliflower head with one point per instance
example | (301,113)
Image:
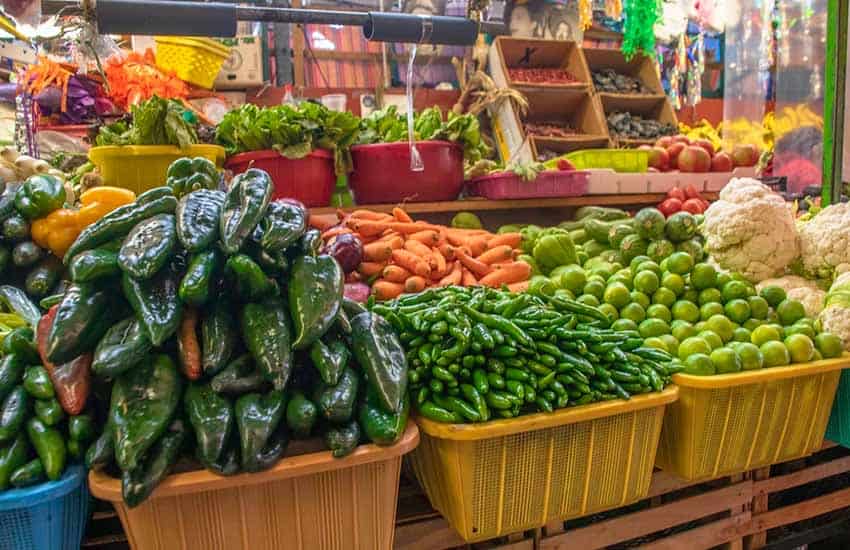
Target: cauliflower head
(835,317)
(751,230)
(824,242)
(797,288)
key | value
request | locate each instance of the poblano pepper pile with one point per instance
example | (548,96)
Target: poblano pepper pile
(477,354)
(211,325)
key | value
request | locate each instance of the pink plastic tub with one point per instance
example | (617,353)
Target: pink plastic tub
(382,172)
(549,184)
(311,179)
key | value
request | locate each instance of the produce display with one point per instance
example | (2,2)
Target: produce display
(623,124)
(156,121)
(541,75)
(609,80)
(479,354)
(681,153)
(683,200)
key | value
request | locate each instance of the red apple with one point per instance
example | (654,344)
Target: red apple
(705,144)
(665,141)
(677,193)
(721,162)
(680,138)
(745,155)
(673,152)
(694,159)
(658,158)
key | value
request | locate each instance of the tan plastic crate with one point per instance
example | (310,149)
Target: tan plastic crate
(310,502)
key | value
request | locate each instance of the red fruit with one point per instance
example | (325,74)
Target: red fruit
(721,162)
(680,138)
(694,159)
(691,192)
(745,155)
(670,206)
(564,164)
(653,169)
(673,152)
(677,193)
(658,158)
(694,206)
(705,144)
(665,141)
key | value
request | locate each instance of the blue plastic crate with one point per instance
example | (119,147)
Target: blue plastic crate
(50,516)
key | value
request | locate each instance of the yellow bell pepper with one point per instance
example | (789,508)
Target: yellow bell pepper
(113,196)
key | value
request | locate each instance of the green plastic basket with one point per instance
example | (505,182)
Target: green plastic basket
(619,160)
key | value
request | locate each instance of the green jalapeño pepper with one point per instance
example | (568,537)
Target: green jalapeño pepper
(50,446)
(381,356)
(123,347)
(21,342)
(315,296)
(39,195)
(212,419)
(197,284)
(186,174)
(143,402)
(13,455)
(13,413)
(244,206)
(283,224)
(258,418)
(137,484)
(267,335)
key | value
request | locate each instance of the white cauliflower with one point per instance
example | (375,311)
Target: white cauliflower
(835,317)
(800,289)
(751,230)
(824,242)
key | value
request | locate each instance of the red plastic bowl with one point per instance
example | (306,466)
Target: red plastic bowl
(382,172)
(310,180)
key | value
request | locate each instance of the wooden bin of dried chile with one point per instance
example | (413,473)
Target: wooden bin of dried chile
(527,63)
(563,121)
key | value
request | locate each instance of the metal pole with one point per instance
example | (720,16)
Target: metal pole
(834,107)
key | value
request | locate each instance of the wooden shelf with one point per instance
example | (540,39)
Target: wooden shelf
(478,205)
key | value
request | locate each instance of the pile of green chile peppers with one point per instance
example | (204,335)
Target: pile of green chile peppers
(477,354)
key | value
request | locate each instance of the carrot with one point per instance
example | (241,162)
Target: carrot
(385,290)
(428,237)
(468,279)
(370,227)
(521,286)
(440,268)
(389,235)
(411,262)
(497,254)
(370,269)
(395,274)
(511,239)
(480,269)
(454,277)
(334,231)
(377,251)
(401,216)
(506,274)
(447,251)
(414,284)
(457,240)
(477,245)
(322,222)
(369,215)
(421,250)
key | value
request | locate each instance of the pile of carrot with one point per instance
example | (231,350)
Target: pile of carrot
(401,255)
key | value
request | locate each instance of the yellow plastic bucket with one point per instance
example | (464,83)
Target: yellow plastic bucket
(730,423)
(142,167)
(195,60)
(505,476)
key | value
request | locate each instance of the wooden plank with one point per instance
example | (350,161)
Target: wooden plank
(651,520)
(664,482)
(527,544)
(553,528)
(297,51)
(759,506)
(801,477)
(802,510)
(705,536)
(435,534)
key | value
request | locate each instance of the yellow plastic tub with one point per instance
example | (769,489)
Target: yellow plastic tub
(730,423)
(619,160)
(505,476)
(311,502)
(142,167)
(195,60)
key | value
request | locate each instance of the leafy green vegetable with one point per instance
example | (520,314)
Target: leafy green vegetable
(292,131)
(156,121)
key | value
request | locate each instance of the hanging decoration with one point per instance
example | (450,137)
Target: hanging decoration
(640,17)
(680,66)
(614,9)
(696,68)
(585,14)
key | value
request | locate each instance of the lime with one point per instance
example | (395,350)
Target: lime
(623,324)
(686,311)
(664,296)
(671,342)
(774,295)
(610,312)
(564,293)
(656,342)
(704,276)
(633,312)
(625,280)
(772,317)
(722,279)
(808,321)
(594,288)
(637,260)
(734,290)
(673,282)
(751,324)
(640,298)
(653,327)
(588,299)
(800,328)
(725,360)
(829,345)
(710,309)
(712,338)
(800,348)
(682,329)
(658,311)
(699,364)
(765,333)
(708,295)
(646,282)
(751,357)
(722,326)
(790,311)
(779,330)
(690,295)
(701,326)
(737,310)
(663,264)
(649,266)
(680,263)
(604,270)
(572,278)
(740,334)
(693,345)
(759,308)
(816,356)
(775,354)
(617,294)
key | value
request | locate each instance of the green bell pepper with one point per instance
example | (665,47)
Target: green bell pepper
(13,455)
(315,296)
(123,347)
(50,447)
(258,418)
(554,247)
(137,484)
(186,174)
(381,356)
(39,195)
(244,206)
(267,335)
(211,416)
(529,237)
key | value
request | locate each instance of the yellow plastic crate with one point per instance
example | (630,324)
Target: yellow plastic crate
(730,423)
(195,60)
(505,476)
(142,167)
(619,160)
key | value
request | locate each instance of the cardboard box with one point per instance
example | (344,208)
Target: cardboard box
(244,68)
(507,52)
(649,107)
(640,66)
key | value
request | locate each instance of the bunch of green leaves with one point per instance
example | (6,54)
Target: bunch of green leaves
(383,126)
(156,121)
(293,131)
